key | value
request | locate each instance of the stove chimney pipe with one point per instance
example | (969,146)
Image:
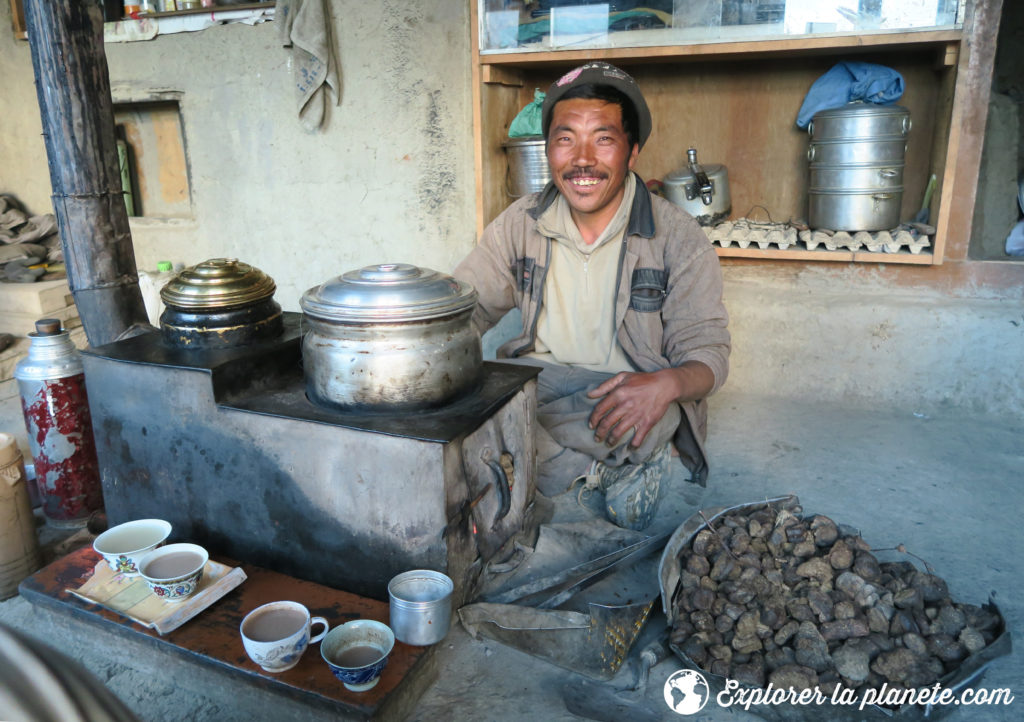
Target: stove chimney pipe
(66,42)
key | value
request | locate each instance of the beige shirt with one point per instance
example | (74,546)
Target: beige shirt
(576,324)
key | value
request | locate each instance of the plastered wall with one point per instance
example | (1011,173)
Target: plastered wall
(391,179)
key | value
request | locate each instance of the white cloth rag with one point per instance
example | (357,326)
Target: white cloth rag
(304,27)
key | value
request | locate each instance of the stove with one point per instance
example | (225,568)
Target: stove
(224,444)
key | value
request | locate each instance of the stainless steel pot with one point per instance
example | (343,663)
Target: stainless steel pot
(856,162)
(389,337)
(702,191)
(528,168)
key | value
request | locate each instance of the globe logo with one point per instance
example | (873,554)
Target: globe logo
(686,691)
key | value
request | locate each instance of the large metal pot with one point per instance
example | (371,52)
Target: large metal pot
(856,163)
(389,337)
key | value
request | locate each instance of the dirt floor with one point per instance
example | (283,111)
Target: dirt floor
(948,486)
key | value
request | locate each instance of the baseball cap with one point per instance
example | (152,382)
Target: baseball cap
(599,73)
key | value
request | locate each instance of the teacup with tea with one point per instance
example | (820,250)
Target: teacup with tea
(276,635)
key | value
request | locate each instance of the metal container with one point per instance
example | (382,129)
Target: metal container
(851,153)
(421,606)
(219,303)
(528,169)
(855,211)
(701,191)
(53,398)
(856,162)
(388,337)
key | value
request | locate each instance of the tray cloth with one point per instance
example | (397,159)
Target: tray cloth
(132,597)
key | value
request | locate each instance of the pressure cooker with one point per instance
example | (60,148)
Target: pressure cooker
(702,191)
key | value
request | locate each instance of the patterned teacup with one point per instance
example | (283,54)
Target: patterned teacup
(124,545)
(275,635)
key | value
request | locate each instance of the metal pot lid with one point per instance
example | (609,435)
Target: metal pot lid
(523,140)
(388,291)
(218,283)
(862,109)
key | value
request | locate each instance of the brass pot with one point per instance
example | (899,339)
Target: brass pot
(220,303)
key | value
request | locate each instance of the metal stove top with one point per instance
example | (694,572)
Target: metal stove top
(266,378)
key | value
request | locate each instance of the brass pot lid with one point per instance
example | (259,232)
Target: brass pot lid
(388,292)
(218,283)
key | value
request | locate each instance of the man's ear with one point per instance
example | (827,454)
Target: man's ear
(633,155)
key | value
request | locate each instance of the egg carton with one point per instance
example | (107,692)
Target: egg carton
(873,242)
(746,234)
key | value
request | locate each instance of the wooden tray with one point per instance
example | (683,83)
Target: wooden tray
(212,638)
(131,596)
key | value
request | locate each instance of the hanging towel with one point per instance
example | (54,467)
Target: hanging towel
(304,28)
(849,81)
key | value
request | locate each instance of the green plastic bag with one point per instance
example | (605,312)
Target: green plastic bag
(528,122)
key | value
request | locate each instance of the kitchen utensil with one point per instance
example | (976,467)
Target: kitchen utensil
(124,545)
(702,191)
(219,303)
(173,572)
(421,606)
(923,214)
(54,400)
(856,163)
(275,635)
(390,336)
(528,169)
(357,652)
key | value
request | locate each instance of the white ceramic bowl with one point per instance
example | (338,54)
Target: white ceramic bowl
(173,572)
(124,545)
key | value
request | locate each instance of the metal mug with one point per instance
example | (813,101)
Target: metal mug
(421,606)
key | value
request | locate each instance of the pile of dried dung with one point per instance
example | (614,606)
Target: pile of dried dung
(768,596)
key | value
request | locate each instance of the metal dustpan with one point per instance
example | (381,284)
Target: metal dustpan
(584,618)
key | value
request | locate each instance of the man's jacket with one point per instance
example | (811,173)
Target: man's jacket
(668,306)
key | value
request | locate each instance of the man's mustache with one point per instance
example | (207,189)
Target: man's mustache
(584,173)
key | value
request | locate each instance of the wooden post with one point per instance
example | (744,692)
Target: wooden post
(66,41)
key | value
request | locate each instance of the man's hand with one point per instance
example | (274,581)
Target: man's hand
(639,400)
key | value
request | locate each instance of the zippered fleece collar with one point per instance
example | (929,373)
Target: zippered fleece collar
(641,215)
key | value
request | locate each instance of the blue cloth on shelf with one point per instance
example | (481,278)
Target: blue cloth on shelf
(848,81)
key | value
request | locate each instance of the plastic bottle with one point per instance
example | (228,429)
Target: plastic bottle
(150,283)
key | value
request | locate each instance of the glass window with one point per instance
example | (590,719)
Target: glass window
(524,25)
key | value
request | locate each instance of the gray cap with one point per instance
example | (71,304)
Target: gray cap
(599,73)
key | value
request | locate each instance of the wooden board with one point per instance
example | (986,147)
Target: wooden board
(212,637)
(40,297)
(22,324)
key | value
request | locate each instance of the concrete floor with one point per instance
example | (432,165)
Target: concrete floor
(948,486)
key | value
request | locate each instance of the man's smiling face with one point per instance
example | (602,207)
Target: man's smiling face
(590,155)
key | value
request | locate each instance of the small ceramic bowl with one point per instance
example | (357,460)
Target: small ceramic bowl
(124,545)
(173,572)
(357,652)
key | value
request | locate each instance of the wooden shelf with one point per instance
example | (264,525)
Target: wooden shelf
(923,258)
(736,100)
(733,49)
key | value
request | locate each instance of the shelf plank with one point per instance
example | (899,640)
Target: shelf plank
(801,254)
(212,9)
(728,49)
